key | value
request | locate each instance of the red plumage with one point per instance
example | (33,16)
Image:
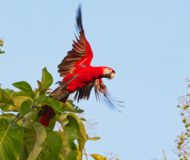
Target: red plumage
(45,115)
(78,74)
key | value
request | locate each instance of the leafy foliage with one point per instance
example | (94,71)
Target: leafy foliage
(46,81)
(11,137)
(23,137)
(25,88)
(183,140)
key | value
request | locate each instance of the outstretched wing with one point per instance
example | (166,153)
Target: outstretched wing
(103,95)
(81,54)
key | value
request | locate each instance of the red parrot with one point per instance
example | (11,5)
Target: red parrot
(78,74)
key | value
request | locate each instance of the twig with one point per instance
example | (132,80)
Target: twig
(85,154)
(17,119)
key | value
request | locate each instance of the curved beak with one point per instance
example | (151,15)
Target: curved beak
(112,75)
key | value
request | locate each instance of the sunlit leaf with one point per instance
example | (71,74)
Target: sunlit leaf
(7,107)
(1,42)
(51,147)
(45,100)
(74,131)
(31,115)
(94,138)
(10,100)
(82,136)
(8,116)
(29,141)
(69,106)
(41,143)
(40,133)
(25,87)
(18,100)
(26,107)
(29,118)
(68,149)
(24,153)
(46,81)
(11,139)
(6,100)
(98,157)
(5,97)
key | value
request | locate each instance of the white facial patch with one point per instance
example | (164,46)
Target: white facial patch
(107,71)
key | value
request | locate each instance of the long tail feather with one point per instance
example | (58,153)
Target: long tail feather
(60,93)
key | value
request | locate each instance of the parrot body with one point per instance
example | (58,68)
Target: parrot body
(82,78)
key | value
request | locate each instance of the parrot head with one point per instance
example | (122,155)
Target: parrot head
(108,72)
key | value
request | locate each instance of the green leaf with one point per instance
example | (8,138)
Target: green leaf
(4,107)
(45,100)
(69,106)
(82,135)
(8,116)
(98,157)
(29,118)
(56,105)
(41,143)
(1,42)
(26,107)
(10,100)
(51,147)
(73,131)
(11,139)
(46,81)
(24,153)
(31,115)
(69,148)
(25,87)
(2,52)
(29,141)
(40,140)
(47,78)
(1,45)
(18,101)
(94,138)
(5,97)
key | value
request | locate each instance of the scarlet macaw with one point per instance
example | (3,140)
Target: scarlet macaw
(78,74)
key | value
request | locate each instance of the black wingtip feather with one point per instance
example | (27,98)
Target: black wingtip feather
(79,19)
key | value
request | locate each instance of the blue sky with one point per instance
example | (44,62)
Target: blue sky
(146,42)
